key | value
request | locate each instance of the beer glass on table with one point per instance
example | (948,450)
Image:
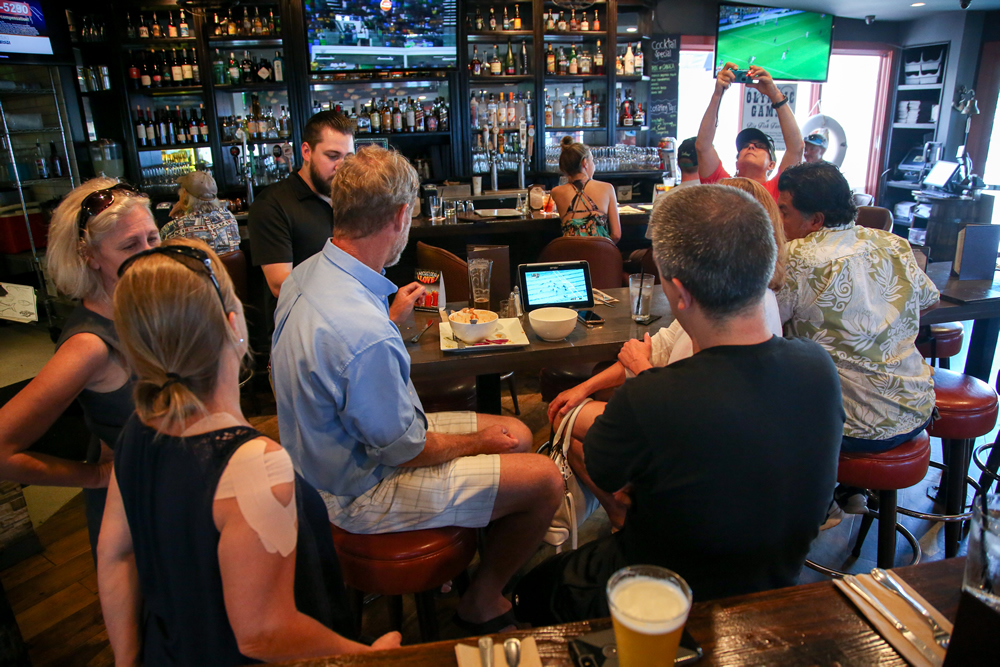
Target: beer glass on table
(649,606)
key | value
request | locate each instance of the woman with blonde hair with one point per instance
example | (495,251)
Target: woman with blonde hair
(96,227)
(586,207)
(199,214)
(213,550)
(662,349)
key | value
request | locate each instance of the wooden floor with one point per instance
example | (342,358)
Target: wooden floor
(54,594)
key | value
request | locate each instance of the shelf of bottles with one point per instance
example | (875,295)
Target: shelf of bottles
(631,80)
(501,120)
(580,60)
(230,27)
(160,169)
(575,110)
(494,26)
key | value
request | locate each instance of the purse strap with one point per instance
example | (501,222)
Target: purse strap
(564,434)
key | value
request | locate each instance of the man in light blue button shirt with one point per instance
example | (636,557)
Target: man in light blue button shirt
(352,421)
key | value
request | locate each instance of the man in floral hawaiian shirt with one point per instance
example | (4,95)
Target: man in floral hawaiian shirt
(858,292)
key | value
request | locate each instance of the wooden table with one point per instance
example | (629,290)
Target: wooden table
(986,313)
(812,624)
(602,343)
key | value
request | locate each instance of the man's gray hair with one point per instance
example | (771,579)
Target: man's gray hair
(368,189)
(718,241)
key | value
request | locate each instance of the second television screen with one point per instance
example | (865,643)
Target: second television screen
(381,34)
(791,45)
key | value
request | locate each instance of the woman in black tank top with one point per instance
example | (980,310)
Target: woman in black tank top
(95,228)
(204,559)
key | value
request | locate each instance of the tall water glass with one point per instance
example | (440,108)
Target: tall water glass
(649,606)
(479,282)
(639,303)
(982,565)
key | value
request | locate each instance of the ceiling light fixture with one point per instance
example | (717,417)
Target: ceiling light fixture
(631,30)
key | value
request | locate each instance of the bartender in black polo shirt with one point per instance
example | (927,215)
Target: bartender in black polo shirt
(291,220)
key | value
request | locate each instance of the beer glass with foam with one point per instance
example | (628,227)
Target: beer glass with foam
(649,606)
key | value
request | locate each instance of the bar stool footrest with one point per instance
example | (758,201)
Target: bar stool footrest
(907,535)
(945,518)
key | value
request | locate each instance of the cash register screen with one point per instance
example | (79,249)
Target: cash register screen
(940,174)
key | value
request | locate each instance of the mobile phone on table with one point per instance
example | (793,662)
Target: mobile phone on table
(589,317)
(598,649)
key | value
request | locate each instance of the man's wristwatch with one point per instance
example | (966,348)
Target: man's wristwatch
(778,105)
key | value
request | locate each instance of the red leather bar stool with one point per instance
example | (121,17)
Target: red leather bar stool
(416,562)
(940,342)
(885,473)
(967,409)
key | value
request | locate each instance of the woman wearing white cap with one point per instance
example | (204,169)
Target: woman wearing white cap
(198,214)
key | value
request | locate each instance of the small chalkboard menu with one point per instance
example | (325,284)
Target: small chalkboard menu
(664,56)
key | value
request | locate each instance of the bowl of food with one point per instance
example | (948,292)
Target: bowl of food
(552,324)
(473,325)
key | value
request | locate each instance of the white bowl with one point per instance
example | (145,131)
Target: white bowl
(552,324)
(487,323)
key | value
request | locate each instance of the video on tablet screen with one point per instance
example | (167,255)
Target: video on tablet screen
(556,287)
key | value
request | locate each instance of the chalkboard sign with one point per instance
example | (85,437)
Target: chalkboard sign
(664,57)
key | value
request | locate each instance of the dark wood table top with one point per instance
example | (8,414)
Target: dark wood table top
(584,344)
(423,228)
(949,311)
(811,624)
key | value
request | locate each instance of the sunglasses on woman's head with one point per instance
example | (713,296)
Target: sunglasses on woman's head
(99,201)
(176,252)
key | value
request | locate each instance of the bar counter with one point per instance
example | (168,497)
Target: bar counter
(536,221)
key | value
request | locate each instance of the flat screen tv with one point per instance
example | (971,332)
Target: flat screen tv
(381,34)
(22,28)
(792,45)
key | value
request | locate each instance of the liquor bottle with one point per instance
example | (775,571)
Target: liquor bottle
(480,26)
(419,119)
(154,28)
(639,59)
(562,63)
(585,63)
(157,70)
(550,60)
(217,28)
(234,70)
(569,113)
(620,65)
(596,22)
(232,28)
(561,23)
(167,127)
(492,112)
(278,64)
(397,117)
(558,116)
(246,28)
(629,60)
(511,111)
(246,68)
(517,17)
(258,24)
(140,128)
(550,23)
(187,69)
(180,126)
(506,21)
(573,25)
(410,119)
(148,128)
(474,112)
(548,112)
(509,67)
(578,112)
(625,116)
(184,30)
(145,74)
(524,58)
(129,27)
(588,110)
(176,69)
(386,117)
(573,63)
(496,68)
(41,164)
(475,65)
(598,59)
(584,23)
(142,29)
(432,119)
(442,115)
(134,80)
(171,26)
(375,117)
(639,118)
(193,132)
(502,112)
(493,19)
(195,69)
(274,28)
(597,111)
(202,124)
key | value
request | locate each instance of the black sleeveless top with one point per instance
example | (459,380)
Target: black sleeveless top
(168,487)
(105,413)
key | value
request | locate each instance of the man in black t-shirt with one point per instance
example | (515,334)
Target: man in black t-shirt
(728,456)
(290,221)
